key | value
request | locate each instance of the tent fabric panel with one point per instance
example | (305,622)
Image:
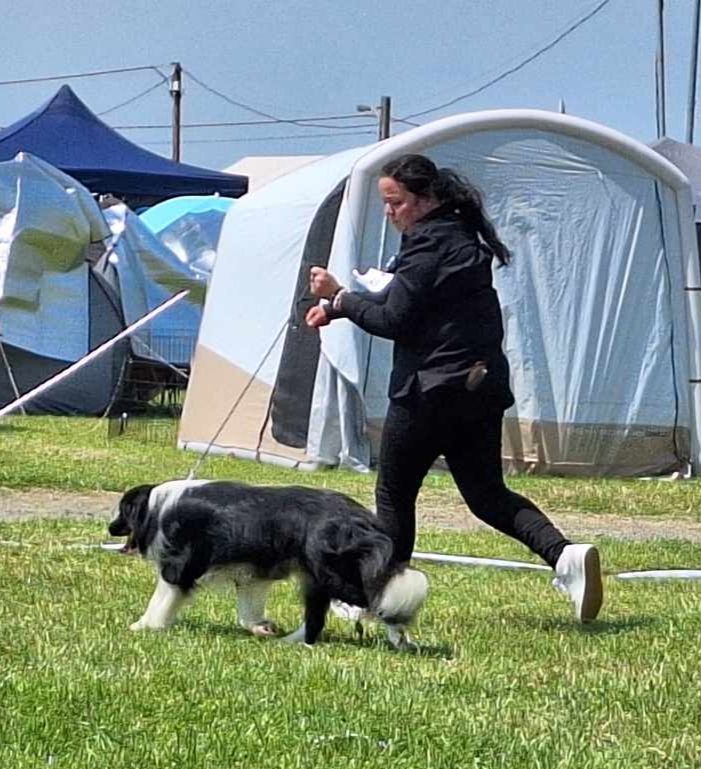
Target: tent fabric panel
(574,449)
(263,169)
(292,393)
(148,273)
(257,266)
(548,447)
(47,225)
(89,390)
(687,158)
(215,386)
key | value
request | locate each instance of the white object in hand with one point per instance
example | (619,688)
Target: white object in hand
(373,280)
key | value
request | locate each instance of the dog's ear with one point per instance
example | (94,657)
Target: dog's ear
(360,554)
(134,507)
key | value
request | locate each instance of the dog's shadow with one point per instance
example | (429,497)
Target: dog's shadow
(199,626)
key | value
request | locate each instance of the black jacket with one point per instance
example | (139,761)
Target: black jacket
(441,311)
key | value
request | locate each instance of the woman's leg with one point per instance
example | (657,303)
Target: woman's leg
(473,454)
(408,449)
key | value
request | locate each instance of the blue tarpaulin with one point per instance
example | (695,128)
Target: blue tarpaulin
(65,133)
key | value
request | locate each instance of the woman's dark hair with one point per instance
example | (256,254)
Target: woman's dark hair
(421,176)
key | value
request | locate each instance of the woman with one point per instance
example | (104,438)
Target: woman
(449,385)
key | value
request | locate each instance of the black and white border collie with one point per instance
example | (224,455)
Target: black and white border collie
(253,535)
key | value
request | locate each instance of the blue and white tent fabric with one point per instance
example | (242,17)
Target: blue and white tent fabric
(189,227)
(602,333)
(148,273)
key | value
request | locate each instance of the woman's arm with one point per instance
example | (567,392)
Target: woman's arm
(407,294)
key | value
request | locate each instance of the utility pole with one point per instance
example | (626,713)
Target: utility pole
(660,73)
(176,91)
(691,107)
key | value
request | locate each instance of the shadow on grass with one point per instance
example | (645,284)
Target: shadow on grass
(198,626)
(8,427)
(596,628)
(377,641)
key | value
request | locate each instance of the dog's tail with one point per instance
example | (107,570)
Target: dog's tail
(402,596)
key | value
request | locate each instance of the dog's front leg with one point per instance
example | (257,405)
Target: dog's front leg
(162,608)
(316,604)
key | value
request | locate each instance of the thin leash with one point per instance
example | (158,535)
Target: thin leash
(195,468)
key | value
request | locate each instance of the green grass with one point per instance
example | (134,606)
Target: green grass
(75,454)
(504,678)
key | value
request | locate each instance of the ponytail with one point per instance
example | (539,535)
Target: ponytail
(421,176)
(451,189)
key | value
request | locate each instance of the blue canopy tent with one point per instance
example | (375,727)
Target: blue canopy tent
(65,133)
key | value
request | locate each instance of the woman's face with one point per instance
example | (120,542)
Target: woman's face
(403,208)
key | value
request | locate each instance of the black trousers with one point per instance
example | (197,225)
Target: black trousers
(420,428)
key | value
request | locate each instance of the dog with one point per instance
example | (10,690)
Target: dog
(255,535)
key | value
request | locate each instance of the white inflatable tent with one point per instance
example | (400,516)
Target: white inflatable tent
(600,304)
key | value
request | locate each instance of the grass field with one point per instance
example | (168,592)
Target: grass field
(504,677)
(75,454)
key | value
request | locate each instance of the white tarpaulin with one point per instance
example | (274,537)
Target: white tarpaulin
(47,221)
(601,334)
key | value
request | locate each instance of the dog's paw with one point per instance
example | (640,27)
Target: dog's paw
(144,624)
(264,629)
(400,639)
(296,637)
(407,645)
(138,625)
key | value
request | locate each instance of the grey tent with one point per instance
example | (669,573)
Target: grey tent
(687,158)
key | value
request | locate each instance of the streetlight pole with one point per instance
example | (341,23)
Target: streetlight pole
(660,73)
(383,115)
(384,118)
(176,91)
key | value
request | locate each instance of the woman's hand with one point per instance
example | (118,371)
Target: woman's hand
(316,317)
(322,283)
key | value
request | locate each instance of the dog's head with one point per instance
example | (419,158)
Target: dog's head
(131,518)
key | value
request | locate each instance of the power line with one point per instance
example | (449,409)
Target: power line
(264,138)
(517,67)
(227,124)
(163,79)
(255,111)
(228,99)
(77,75)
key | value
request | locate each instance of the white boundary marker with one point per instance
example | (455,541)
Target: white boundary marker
(466,560)
(661,574)
(15,404)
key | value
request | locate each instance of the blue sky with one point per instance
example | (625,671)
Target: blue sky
(322,58)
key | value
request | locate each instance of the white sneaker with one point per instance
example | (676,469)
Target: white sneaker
(578,573)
